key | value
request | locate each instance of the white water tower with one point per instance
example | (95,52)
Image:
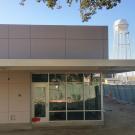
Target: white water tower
(121,43)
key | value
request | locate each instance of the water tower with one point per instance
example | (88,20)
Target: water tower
(121,44)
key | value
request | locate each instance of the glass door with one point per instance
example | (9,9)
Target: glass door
(39,102)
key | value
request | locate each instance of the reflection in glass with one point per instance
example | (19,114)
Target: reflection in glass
(40,110)
(39,101)
(75,115)
(75,92)
(92,93)
(57,92)
(74,96)
(92,115)
(75,78)
(57,77)
(39,77)
(57,116)
(80,92)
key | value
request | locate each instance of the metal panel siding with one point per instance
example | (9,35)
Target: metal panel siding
(3,31)
(19,48)
(19,31)
(85,32)
(84,49)
(47,32)
(47,48)
(58,42)
(105,33)
(4,48)
(105,49)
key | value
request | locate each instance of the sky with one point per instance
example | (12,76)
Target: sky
(37,13)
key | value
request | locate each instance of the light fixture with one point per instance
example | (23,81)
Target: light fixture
(56,86)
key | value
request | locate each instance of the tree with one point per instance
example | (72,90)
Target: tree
(87,7)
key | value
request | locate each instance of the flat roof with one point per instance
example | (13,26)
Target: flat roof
(100,65)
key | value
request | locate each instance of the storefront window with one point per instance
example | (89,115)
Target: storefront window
(57,96)
(75,115)
(75,96)
(39,77)
(75,92)
(93,115)
(92,93)
(57,116)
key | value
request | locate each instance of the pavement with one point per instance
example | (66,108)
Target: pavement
(119,120)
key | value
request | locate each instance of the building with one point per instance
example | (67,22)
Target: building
(53,73)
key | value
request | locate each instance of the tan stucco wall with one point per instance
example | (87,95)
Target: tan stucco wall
(14,97)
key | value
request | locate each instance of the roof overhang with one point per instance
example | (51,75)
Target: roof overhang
(106,66)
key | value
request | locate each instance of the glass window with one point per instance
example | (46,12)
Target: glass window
(40,110)
(57,116)
(79,93)
(94,115)
(75,115)
(74,96)
(39,101)
(57,77)
(92,93)
(39,77)
(57,96)
(75,77)
(75,92)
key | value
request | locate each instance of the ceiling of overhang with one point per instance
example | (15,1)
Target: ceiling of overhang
(116,69)
(103,69)
(76,65)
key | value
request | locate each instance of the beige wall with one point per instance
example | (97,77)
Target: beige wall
(14,97)
(58,42)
